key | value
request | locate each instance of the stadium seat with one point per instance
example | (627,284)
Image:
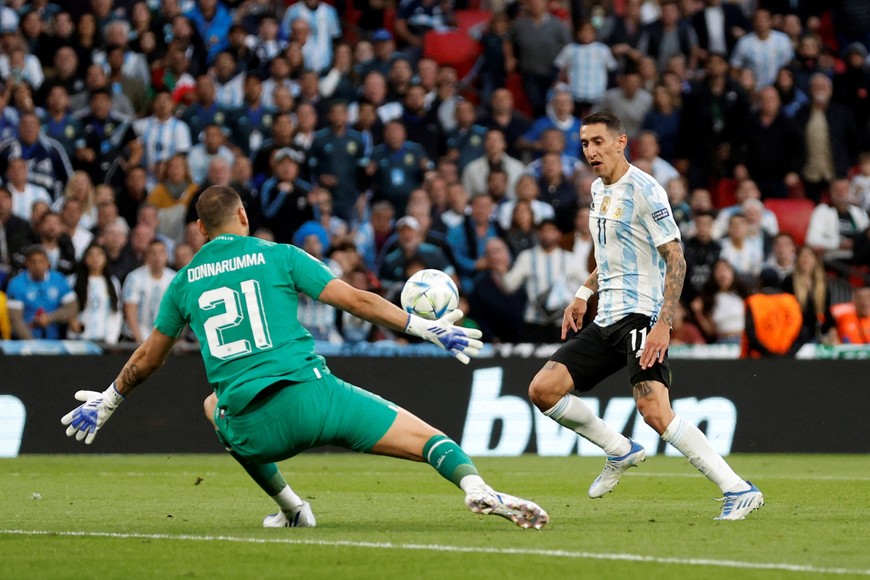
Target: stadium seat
(724,194)
(468,19)
(793,216)
(453,48)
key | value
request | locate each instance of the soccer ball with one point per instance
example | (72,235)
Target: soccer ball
(430,294)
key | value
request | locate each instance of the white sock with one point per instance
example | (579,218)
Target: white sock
(287,500)
(691,442)
(573,413)
(470,482)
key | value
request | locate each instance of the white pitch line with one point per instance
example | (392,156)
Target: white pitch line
(455,549)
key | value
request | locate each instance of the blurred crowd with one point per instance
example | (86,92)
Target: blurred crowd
(352,133)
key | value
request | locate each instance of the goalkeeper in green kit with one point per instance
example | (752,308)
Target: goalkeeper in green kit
(274,396)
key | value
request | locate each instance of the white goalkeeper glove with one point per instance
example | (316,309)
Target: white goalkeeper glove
(461,342)
(85,420)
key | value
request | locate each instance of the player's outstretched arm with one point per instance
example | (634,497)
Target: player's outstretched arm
(462,342)
(85,420)
(660,335)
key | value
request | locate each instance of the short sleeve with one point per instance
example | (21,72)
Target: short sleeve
(658,219)
(170,320)
(310,275)
(562,58)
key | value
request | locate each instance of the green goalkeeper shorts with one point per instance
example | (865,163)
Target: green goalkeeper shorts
(292,417)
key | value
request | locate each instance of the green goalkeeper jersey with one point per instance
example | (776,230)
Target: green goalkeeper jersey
(239,295)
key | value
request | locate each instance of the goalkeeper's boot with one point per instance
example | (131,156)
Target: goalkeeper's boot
(614,467)
(522,512)
(737,504)
(301,517)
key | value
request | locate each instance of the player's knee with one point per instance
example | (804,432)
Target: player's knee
(546,389)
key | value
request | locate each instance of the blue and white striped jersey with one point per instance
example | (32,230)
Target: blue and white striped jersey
(629,220)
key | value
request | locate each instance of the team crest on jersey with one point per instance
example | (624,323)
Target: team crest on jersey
(661,214)
(109,128)
(409,159)
(605,205)
(351,148)
(69,132)
(618,213)
(475,141)
(219,118)
(267,120)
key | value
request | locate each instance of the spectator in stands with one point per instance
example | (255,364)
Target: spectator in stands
(585,66)
(96,78)
(719,307)
(744,254)
(623,33)
(58,121)
(853,320)
(505,118)
(773,321)
(852,88)
(97,294)
(772,148)
(547,272)
(17,65)
(560,115)
(521,233)
(143,289)
(411,247)
(371,235)
(303,138)
(809,285)
(135,88)
(754,212)
(538,36)
(65,74)
(468,239)
(668,36)
(646,148)
(475,174)
(212,21)
(746,189)
(172,197)
(764,51)
(203,153)
(499,313)
(835,228)
(465,142)
(229,81)
(337,159)
(284,198)
(81,189)
(47,162)
(629,101)
(553,141)
(859,187)
(677,198)
(323,24)
(712,122)
(663,119)
(205,110)
(111,147)
(557,192)
(71,216)
(122,260)
(282,139)
(683,331)
(414,18)
(493,69)
(782,259)
(719,26)
(701,252)
(40,301)
(116,34)
(790,95)
(318,318)
(56,244)
(526,190)
(397,166)
(252,122)
(15,236)
(162,135)
(830,136)
(24,193)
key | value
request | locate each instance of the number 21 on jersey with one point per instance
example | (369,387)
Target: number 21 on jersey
(236,312)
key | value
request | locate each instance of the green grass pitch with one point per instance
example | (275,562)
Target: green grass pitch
(105,516)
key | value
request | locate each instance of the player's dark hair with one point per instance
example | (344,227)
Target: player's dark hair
(608,119)
(217,205)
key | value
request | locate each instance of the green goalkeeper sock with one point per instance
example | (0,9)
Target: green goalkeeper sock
(442,453)
(270,480)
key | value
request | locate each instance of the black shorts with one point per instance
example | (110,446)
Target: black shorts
(597,352)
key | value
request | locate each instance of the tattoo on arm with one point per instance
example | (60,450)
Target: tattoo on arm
(675,274)
(592,280)
(131,377)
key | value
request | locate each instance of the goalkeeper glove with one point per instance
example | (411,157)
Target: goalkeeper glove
(461,342)
(85,420)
